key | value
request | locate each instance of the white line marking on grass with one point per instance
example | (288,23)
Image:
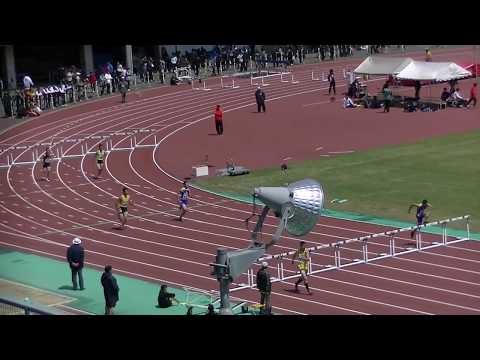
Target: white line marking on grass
(342,152)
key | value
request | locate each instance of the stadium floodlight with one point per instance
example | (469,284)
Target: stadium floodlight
(298,206)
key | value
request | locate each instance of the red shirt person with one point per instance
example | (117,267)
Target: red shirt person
(473,95)
(219,120)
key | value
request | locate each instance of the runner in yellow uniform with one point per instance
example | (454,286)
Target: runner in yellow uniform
(100,156)
(122,207)
(303,256)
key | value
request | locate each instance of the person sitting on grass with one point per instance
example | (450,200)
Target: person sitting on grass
(348,103)
(165,298)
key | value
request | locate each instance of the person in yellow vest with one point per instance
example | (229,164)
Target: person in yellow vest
(302,255)
(100,157)
(122,207)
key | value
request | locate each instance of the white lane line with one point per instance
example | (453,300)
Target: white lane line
(342,152)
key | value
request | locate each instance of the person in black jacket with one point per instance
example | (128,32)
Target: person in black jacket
(264,285)
(331,81)
(165,298)
(75,257)
(260,97)
(110,290)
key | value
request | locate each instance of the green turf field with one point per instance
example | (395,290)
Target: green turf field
(383,182)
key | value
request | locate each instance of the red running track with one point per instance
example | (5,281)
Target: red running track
(42,217)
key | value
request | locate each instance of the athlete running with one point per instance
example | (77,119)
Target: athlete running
(122,207)
(100,156)
(184,193)
(303,256)
(421,215)
(46,160)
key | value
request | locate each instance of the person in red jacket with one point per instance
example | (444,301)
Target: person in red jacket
(473,95)
(219,120)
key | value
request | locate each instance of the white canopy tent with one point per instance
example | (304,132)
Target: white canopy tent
(377,65)
(432,71)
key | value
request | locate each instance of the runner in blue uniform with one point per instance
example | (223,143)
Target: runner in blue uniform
(184,193)
(421,215)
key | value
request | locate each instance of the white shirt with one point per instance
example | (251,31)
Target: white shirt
(108,78)
(347,103)
(27,82)
(457,95)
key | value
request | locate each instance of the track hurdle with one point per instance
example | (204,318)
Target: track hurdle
(324,78)
(200,88)
(321,255)
(291,81)
(263,83)
(232,86)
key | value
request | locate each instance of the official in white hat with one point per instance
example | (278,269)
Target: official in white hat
(75,258)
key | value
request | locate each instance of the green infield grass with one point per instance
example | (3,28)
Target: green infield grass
(383,182)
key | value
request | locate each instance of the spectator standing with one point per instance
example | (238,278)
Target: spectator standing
(173,61)
(264,285)
(110,290)
(122,87)
(260,98)
(92,79)
(27,82)
(75,258)
(108,82)
(387,94)
(418,86)
(473,95)
(331,81)
(219,120)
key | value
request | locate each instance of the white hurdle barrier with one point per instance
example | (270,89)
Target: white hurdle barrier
(291,81)
(263,83)
(324,78)
(232,86)
(201,88)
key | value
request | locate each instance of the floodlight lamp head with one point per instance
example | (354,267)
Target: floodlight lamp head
(303,199)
